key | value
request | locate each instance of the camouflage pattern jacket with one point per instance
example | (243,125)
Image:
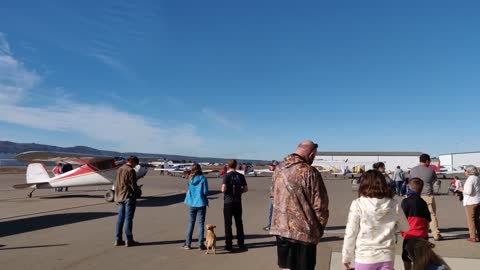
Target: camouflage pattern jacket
(300,201)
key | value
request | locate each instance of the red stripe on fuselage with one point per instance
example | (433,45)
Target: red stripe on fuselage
(85,169)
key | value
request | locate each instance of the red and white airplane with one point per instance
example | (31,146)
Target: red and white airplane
(93,170)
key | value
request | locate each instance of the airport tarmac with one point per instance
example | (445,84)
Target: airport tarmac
(75,229)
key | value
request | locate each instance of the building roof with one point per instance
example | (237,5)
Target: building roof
(460,153)
(369,154)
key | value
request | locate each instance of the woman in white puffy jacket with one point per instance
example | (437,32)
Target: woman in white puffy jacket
(373,220)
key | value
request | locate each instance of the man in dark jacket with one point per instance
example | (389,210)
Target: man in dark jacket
(126,191)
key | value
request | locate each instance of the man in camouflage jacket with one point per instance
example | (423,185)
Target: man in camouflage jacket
(300,208)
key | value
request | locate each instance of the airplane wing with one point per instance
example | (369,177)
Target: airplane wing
(263,171)
(165,170)
(449,173)
(72,158)
(30,185)
(23,186)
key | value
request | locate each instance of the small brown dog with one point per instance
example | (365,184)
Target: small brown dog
(211,238)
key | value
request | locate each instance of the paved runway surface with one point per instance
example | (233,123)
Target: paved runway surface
(75,229)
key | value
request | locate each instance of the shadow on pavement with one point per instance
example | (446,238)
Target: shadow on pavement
(27,247)
(331,239)
(219,239)
(335,228)
(157,201)
(67,196)
(454,229)
(24,225)
(261,244)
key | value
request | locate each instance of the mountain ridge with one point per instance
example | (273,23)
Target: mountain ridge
(9,149)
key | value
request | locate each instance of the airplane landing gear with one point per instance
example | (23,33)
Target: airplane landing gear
(30,194)
(110,196)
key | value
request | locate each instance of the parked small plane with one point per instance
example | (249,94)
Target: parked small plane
(251,171)
(179,168)
(168,164)
(93,170)
(450,171)
(174,168)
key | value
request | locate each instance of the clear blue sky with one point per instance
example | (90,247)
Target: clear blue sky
(248,79)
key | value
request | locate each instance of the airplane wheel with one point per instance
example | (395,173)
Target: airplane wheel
(109,196)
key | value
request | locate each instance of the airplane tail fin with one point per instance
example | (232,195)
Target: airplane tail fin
(36,173)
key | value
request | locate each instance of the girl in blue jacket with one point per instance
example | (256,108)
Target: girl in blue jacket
(196,199)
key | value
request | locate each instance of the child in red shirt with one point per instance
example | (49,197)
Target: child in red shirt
(418,216)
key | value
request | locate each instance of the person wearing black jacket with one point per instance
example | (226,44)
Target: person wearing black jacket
(233,186)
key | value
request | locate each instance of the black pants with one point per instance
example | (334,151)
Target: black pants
(296,255)
(233,210)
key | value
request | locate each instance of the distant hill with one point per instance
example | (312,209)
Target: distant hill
(15,148)
(10,149)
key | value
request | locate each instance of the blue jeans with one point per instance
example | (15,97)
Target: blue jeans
(398,187)
(202,211)
(126,211)
(270,210)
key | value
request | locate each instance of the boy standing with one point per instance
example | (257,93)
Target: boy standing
(418,215)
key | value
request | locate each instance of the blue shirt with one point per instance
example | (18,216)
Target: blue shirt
(197,192)
(436,267)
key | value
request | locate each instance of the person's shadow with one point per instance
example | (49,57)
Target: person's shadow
(252,245)
(23,225)
(158,201)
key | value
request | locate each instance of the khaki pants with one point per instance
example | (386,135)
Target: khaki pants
(432,207)
(473,220)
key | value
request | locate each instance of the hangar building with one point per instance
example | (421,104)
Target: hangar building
(391,159)
(456,160)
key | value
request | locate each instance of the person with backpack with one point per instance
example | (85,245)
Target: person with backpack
(233,186)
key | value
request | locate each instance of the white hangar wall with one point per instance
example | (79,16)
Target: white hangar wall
(405,160)
(459,159)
